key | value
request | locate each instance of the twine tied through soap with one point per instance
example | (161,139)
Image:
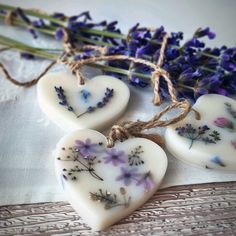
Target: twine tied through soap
(133,128)
(125,129)
(100,55)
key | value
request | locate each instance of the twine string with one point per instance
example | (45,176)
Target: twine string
(28,83)
(76,66)
(156,76)
(9,20)
(128,128)
(135,128)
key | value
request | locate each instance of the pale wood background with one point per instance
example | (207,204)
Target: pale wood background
(203,209)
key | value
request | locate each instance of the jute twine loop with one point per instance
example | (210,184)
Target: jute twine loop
(28,83)
(128,128)
(117,131)
(157,73)
(76,66)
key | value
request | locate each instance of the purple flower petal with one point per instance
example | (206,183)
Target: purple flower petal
(128,175)
(146,181)
(115,157)
(59,34)
(86,148)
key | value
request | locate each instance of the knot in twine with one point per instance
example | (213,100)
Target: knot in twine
(135,128)
(100,55)
(126,129)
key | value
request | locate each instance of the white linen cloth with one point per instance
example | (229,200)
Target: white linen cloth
(28,138)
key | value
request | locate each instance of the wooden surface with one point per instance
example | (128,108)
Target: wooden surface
(205,209)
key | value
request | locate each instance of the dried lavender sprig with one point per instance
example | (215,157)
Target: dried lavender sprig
(64,102)
(142,44)
(13,44)
(52,31)
(107,96)
(63,23)
(42,52)
(199,33)
(39,52)
(102,32)
(60,22)
(62,98)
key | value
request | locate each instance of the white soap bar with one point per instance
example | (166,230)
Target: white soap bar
(106,184)
(211,141)
(95,105)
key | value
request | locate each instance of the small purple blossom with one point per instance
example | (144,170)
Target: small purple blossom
(59,15)
(148,49)
(189,75)
(128,175)
(22,15)
(116,50)
(194,42)
(83,55)
(146,181)
(205,32)
(38,23)
(115,157)
(27,56)
(208,84)
(85,94)
(222,122)
(59,34)
(86,148)
(138,82)
(217,65)
(172,53)
(228,59)
(175,38)
(222,91)
(217,161)
(33,33)
(62,98)
(85,14)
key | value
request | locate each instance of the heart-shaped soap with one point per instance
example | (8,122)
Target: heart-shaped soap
(95,105)
(106,184)
(211,141)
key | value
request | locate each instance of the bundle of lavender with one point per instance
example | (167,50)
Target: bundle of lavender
(194,68)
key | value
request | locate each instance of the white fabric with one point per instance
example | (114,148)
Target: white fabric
(27,137)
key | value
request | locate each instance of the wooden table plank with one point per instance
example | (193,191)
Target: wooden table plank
(203,209)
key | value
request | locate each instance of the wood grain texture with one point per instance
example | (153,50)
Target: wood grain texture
(204,209)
